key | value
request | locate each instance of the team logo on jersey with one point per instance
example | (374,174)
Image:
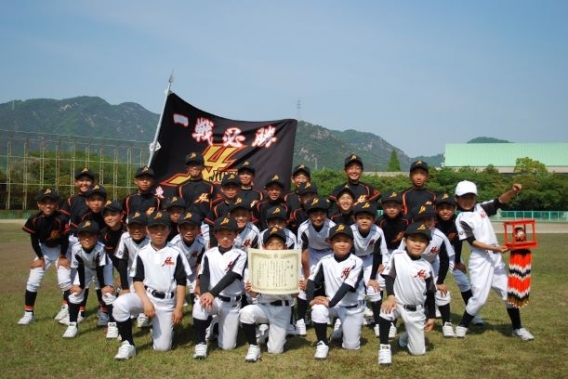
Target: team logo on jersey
(346,271)
(434,250)
(168,262)
(231,265)
(452,236)
(203,198)
(54,235)
(361,199)
(247,243)
(398,237)
(421,274)
(276,211)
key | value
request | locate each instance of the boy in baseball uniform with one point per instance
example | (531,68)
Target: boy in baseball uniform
(48,231)
(486,267)
(159,281)
(409,283)
(341,274)
(220,280)
(274,310)
(418,194)
(89,260)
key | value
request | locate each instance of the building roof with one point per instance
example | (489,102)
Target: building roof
(503,156)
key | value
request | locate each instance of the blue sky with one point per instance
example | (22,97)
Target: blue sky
(420,74)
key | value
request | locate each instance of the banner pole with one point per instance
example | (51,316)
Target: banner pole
(154,146)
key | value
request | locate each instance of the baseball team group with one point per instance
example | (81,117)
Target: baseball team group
(150,257)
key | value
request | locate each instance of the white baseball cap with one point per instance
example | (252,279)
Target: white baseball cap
(465,186)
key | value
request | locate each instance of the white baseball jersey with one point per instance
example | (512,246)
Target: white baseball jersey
(334,273)
(160,270)
(411,278)
(476,224)
(216,264)
(291,240)
(127,247)
(248,237)
(88,262)
(313,239)
(193,253)
(364,246)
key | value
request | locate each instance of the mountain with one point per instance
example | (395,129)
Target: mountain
(487,140)
(89,117)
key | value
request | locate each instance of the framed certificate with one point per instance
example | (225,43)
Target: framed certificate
(274,272)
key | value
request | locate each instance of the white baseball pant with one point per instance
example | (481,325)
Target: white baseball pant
(487,271)
(228,316)
(351,322)
(277,316)
(414,319)
(51,256)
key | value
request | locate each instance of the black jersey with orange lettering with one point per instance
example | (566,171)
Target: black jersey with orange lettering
(415,197)
(140,202)
(50,231)
(198,195)
(74,205)
(259,212)
(393,228)
(362,191)
(343,218)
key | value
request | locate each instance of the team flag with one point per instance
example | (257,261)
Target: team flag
(225,144)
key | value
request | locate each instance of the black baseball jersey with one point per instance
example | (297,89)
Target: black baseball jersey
(293,201)
(50,231)
(198,195)
(450,230)
(415,197)
(110,239)
(297,217)
(74,206)
(362,191)
(220,208)
(87,216)
(259,212)
(251,196)
(393,229)
(343,218)
(140,202)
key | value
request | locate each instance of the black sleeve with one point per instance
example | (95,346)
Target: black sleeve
(64,247)
(180,275)
(139,275)
(341,292)
(225,281)
(317,282)
(123,273)
(81,272)
(35,245)
(444,264)
(304,241)
(458,250)
(204,277)
(389,285)
(101,276)
(430,299)
(471,240)
(377,258)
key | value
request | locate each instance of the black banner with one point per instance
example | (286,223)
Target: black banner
(225,144)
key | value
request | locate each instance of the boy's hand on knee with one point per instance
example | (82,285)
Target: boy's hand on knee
(75,289)
(389,304)
(38,263)
(177,316)
(63,262)
(149,310)
(461,267)
(429,324)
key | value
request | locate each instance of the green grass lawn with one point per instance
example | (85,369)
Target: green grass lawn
(38,350)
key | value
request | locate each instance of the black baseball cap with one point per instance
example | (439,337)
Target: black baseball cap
(85,171)
(231,178)
(159,218)
(240,203)
(97,189)
(445,198)
(190,218)
(419,164)
(138,218)
(365,207)
(341,229)
(353,158)
(274,179)
(88,227)
(112,206)
(145,171)
(302,168)
(318,203)
(393,196)
(423,211)
(174,201)
(345,189)
(274,232)
(47,192)
(418,228)
(225,223)
(194,157)
(306,188)
(246,166)
(277,212)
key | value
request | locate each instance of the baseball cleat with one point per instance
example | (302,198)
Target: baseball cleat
(461,331)
(142,321)
(63,312)
(403,340)
(321,350)
(71,331)
(392,332)
(200,351)
(253,353)
(112,331)
(523,334)
(448,330)
(125,351)
(377,330)
(477,321)
(301,327)
(385,356)
(27,319)
(102,318)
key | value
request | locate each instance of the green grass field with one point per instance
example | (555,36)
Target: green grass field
(38,350)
